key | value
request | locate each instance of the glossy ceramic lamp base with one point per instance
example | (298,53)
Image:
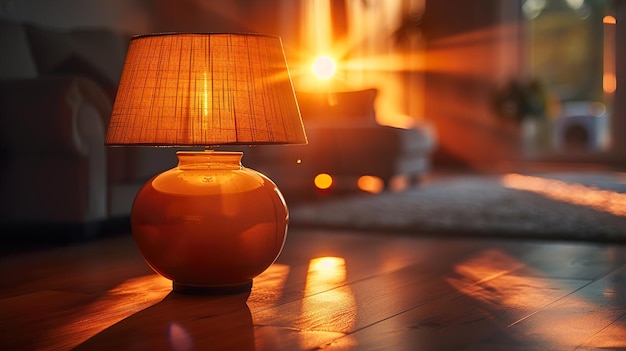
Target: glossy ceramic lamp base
(210,224)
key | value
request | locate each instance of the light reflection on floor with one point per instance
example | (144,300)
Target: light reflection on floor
(179,338)
(577,194)
(123,300)
(327,299)
(272,282)
(568,319)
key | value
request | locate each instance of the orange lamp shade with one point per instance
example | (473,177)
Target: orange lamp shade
(205,89)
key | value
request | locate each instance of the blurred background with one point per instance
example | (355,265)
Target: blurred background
(461,86)
(501,81)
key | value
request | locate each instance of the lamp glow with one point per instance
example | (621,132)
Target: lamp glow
(324,67)
(210,224)
(323,181)
(370,184)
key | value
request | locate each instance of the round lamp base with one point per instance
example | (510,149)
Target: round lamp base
(210,225)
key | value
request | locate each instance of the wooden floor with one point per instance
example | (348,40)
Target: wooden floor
(328,290)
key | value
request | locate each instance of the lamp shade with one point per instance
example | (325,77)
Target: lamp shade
(191,89)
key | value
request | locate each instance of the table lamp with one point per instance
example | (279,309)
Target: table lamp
(210,224)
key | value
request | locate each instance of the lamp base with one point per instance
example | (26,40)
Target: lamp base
(212,290)
(210,225)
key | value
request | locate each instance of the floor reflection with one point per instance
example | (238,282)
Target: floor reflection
(566,318)
(577,194)
(123,300)
(332,306)
(181,323)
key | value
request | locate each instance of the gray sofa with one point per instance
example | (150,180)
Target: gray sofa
(59,182)
(346,142)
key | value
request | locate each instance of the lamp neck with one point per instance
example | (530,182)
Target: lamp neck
(209,159)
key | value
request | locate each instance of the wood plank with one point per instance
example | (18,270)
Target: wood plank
(25,321)
(365,302)
(182,322)
(52,320)
(93,267)
(612,337)
(329,289)
(479,309)
(571,259)
(364,256)
(572,321)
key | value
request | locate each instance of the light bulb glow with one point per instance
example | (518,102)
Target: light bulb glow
(324,67)
(323,181)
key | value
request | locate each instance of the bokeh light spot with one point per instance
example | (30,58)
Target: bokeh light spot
(323,181)
(324,67)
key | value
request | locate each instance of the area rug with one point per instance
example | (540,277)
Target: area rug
(588,206)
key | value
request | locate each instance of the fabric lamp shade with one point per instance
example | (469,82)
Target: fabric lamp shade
(189,89)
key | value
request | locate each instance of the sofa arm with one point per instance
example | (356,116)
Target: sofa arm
(52,150)
(52,116)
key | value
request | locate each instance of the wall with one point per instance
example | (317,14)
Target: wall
(359,32)
(145,16)
(127,16)
(618,125)
(472,48)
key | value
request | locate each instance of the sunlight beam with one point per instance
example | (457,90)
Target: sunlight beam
(330,303)
(577,194)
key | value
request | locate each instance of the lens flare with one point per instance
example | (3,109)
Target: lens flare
(370,184)
(324,67)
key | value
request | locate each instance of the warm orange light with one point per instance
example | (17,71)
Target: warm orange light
(329,267)
(192,206)
(203,90)
(370,184)
(179,337)
(113,307)
(490,277)
(399,183)
(237,92)
(609,20)
(488,268)
(323,181)
(324,67)
(609,83)
(272,282)
(329,300)
(578,194)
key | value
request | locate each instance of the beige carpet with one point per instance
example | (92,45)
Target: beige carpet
(561,206)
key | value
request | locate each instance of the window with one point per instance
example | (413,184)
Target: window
(572,69)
